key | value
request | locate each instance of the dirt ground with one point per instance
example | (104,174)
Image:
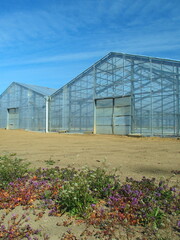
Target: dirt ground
(135,157)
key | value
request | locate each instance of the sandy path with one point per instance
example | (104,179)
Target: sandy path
(136,157)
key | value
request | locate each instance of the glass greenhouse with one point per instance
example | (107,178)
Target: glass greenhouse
(120,94)
(24,106)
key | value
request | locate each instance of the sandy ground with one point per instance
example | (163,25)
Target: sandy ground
(136,157)
(133,157)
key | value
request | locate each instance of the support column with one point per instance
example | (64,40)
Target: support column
(47,114)
(177,102)
(151,94)
(132,97)
(94,96)
(162,102)
(70,108)
(65,109)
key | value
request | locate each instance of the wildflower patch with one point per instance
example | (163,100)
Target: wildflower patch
(94,198)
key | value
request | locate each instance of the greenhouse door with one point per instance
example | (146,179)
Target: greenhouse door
(13,118)
(113,116)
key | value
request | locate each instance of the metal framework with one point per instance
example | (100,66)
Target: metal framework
(152,83)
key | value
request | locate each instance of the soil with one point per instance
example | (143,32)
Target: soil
(132,156)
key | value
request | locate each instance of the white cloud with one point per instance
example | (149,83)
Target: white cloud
(79,56)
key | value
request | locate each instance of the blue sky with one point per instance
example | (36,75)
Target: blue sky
(49,42)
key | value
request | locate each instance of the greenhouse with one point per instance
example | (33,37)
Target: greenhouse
(24,106)
(120,94)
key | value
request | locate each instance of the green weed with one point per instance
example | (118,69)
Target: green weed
(49,162)
(11,168)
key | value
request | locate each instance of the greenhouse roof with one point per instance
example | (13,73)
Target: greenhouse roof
(170,62)
(42,90)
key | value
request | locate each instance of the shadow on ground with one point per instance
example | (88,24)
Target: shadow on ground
(155,170)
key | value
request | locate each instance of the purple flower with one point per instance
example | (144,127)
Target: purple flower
(2,227)
(173,189)
(178,223)
(134,201)
(158,194)
(37,231)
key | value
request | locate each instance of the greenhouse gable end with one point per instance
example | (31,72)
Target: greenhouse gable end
(24,106)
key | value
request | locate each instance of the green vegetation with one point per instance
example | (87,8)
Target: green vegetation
(11,168)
